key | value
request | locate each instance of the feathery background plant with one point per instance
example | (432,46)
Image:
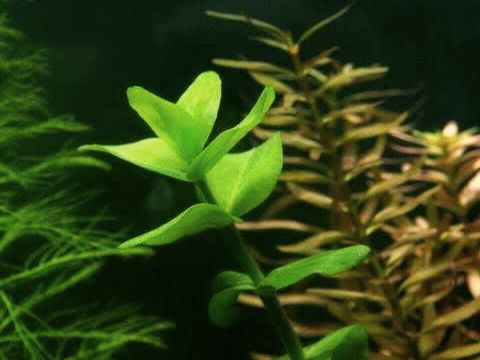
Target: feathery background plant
(48,245)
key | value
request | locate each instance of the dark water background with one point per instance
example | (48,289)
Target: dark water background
(99,47)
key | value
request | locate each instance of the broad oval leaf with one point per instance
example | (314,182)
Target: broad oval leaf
(225,141)
(168,121)
(348,343)
(226,287)
(202,100)
(240,182)
(324,263)
(153,154)
(195,219)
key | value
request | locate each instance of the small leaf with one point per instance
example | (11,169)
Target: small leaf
(304,177)
(169,121)
(252,66)
(259,24)
(313,243)
(310,196)
(324,263)
(272,42)
(202,100)
(459,352)
(369,131)
(348,343)
(473,281)
(321,24)
(347,295)
(270,80)
(424,275)
(226,287)
(471,192)
(395,211)
(456,316)
(224,142)
(152,154)
(240,182)
(195,219)
(394,181)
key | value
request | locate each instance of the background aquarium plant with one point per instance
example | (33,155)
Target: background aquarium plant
(376,110)
(48,245)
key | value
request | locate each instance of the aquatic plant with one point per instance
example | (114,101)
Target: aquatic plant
(48,246)
(414,205)
(229,185)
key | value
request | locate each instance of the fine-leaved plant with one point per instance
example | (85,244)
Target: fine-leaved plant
(369,178)
(48,246)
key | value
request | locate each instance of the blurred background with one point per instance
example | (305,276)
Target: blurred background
(99,48)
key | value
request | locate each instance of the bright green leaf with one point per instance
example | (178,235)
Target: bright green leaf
(195,219)
(240,182)
(226,287)
(168,121)
(348,343)
(202,100)
(224,142)
(152,154)
(324,263)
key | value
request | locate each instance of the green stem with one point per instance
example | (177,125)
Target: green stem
(277,315)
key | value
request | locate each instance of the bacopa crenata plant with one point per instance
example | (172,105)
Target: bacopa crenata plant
(229,185)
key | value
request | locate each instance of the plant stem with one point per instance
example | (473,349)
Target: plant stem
(277,315)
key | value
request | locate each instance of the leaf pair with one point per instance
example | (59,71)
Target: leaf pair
(228,285)
(237,182)
(183,128)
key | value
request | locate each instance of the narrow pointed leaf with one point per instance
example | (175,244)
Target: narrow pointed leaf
(313,243)
(169,121)
(321,24)
(270,80)
(258,24)
(195,219)
(324,263)
(395,181)
(152,154)
(456,316)
(240,182)
(348,343)
(282,45)
(224,142)
(227,286)
(252,66)
(202,100)
(459,352)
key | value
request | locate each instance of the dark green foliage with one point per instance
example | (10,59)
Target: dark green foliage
(46,245)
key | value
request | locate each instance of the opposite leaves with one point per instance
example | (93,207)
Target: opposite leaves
(224,142)
(183,129)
